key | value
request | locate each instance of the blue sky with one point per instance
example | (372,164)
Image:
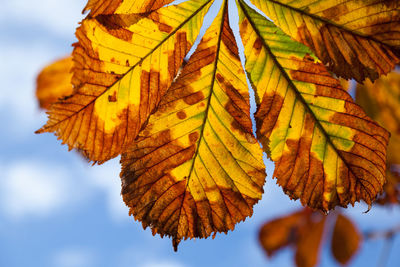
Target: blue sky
(57,210)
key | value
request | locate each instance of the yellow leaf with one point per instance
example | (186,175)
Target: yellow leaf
(196,168)
(120,76)
(345,239)
(108,7)
(54,82)
(327,152)
(356,39)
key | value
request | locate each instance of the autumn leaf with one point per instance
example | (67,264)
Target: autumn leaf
(356,39)
(381,101)
(327,152)
(346,239)
(309,241)
(196,168)
(121,7)
(54,82)
(280,233)
(302,230)
(121,75)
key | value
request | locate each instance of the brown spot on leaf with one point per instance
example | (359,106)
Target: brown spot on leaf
(115,29)
(257,45)
(237,106)
(228,38)
(194,98)
(193,137)
(177,55)
(267,116)
(335,11)
(113,97)
(181,115)
(161,25)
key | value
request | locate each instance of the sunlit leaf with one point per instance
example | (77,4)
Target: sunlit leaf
(345,239)
(54,82)
(196,168)
(356,39)
(108,7)
(327,152)
(121,75)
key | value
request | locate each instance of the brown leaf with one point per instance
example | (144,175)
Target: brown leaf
(302,230)
(381,101)
(279,233)
(309,241)
(346,240)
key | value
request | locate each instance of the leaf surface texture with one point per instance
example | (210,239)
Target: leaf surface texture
(120,76)
(108,7)
(327,152)
(196,168)
(357,39)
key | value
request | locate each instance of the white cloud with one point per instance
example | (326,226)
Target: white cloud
(33,188)
(106,178)
(59,16)
(73,257)
(19,71)
(29,188)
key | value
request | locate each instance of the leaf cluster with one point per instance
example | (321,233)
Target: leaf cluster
(191,164)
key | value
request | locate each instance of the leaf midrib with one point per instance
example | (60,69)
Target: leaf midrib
(134,66)
(330,22)
(294,88)
(201,135)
